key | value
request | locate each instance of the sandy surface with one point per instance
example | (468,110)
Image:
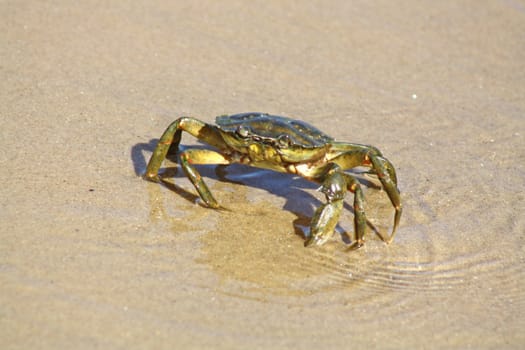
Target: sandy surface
(92,256)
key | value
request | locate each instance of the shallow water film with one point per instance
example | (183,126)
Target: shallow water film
(93,256)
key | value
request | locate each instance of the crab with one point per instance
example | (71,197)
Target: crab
(288,146)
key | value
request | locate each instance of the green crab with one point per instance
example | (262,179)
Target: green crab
(284,145)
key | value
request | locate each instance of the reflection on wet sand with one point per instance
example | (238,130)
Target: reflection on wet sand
(259,244)
(255,247)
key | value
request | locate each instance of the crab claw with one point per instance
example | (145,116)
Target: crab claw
(324,222)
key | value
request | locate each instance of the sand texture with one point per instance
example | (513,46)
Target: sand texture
(94,257)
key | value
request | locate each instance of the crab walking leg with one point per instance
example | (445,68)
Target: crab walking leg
(389,168)
(359,212)
(170,140)
(201,156)
(346,147)
(352,159)
(384,170)
(386,174)
(343,147)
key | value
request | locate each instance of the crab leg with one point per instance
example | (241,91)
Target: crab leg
(359,211)
(201,156)
(170,139)
(384,170)
(386,174)
(344,147)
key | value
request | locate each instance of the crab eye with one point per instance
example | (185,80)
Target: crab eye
(243,131)
(284,140)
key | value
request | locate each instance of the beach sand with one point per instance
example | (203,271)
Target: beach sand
(92,256)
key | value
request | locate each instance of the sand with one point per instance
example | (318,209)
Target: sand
(92,256)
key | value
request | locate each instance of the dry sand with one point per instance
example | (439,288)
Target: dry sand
(92,256)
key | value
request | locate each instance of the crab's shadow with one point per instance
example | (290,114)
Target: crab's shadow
(294,189)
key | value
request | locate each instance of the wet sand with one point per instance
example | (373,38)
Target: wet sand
(92,256)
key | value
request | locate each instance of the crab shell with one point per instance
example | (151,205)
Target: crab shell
(258,134)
